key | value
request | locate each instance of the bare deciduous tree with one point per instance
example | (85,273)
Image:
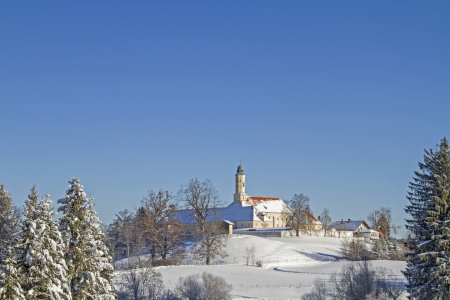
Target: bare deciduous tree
(309,221)
(296,212)
(142,283)
(249,254)
(211,241)
(124,227)
(140,236)
(110,241)
(201,202)
(162,229)
(326,220)
(382,218)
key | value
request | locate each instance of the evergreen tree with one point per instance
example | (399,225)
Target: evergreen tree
(11,277)
(101,270)
(86,255)
(43,261)
(428,269)
(9,223)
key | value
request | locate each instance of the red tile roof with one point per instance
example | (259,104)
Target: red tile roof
(254,198)
(311,217)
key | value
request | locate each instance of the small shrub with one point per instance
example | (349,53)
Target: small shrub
(319,291)
(355,249)
(389,249)
(143,284)
(204,287)
(358,281)
(259,263)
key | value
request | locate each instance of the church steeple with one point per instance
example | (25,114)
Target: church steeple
(240,194)
(240,169)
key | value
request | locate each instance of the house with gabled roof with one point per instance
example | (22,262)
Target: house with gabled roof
(353,228)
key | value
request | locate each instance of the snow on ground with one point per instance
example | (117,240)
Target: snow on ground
(290,266)
(287,251)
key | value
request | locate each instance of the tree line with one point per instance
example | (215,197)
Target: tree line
(158,226)
(73,258)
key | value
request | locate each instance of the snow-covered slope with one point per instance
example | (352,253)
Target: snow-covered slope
(290,265)
(294,251)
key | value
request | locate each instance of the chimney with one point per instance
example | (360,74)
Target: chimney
(349,220)
(342,221)
(318,217)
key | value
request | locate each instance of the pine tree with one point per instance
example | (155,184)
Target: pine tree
(11,277)
(86,255)
(43,261)
(9,223)
(428,269)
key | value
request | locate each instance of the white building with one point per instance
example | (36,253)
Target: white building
(353,228)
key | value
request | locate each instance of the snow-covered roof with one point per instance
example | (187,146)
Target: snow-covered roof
(185,216)
(265,204)
(238,212)
(233,212)
(254,209)
(350,225)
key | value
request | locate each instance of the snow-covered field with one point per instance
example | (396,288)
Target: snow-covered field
(290,265)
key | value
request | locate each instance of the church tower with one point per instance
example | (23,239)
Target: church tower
(240,194)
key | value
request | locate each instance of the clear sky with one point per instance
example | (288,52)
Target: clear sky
(333,99)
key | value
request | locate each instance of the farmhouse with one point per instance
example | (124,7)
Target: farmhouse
(353,228)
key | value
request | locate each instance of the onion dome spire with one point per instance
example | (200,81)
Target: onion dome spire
(240,169)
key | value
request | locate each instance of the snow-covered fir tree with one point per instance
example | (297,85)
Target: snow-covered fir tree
(9,223)
(45,270)
(428,270)
(101,270)
(11,276)
(86,255)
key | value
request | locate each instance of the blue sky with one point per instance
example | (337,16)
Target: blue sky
(336,100)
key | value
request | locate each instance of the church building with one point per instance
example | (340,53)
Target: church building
(259,212)
(254,211)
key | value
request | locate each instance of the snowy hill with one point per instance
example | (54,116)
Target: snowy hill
(290,265)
